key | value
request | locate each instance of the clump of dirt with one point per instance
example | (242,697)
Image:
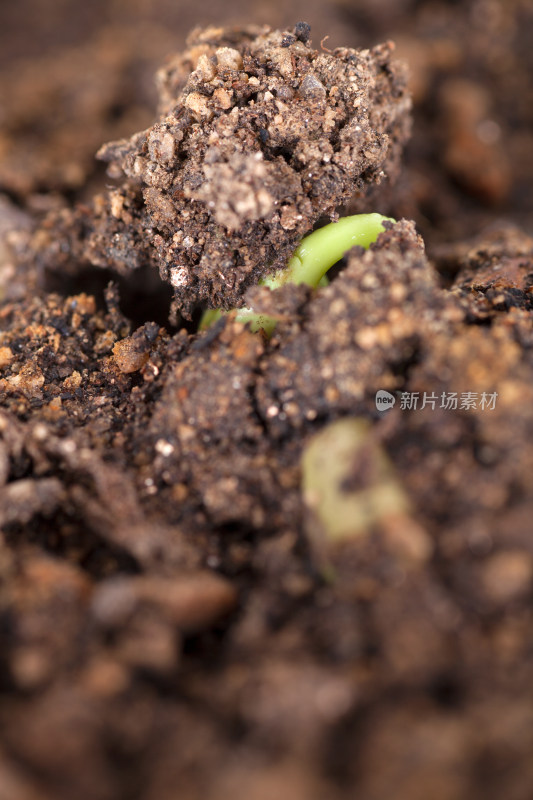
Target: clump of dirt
(261,140)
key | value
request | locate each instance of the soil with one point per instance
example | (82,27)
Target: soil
(225,568)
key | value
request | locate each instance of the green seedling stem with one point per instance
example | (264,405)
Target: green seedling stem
(311,260)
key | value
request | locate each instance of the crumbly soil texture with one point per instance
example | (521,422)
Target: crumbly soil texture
(234,565)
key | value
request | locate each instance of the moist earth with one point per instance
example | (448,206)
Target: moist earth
(179,616)
(260,137)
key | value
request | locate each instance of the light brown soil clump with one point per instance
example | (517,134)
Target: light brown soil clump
(261,140)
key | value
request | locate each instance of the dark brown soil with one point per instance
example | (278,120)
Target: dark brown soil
(224,572)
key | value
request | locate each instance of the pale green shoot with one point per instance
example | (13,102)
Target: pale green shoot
(311,260)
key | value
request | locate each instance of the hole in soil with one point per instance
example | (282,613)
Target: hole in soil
(143,297)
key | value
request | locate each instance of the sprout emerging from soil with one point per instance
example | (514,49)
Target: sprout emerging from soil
(311,260)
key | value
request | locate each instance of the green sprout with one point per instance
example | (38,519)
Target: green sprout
(311,260)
